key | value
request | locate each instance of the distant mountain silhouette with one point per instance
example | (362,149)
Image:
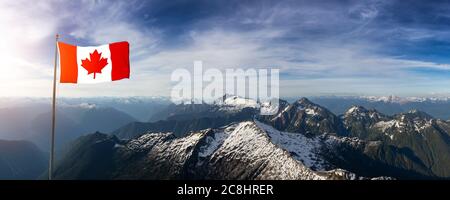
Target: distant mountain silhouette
(21,160)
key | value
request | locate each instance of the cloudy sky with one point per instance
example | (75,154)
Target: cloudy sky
(321,47)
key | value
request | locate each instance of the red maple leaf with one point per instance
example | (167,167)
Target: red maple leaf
(96,64)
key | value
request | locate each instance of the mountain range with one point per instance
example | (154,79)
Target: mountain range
(30,118)
(390,105)
(21,160)
(230,140)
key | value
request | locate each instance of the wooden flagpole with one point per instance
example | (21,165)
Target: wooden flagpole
(52,145)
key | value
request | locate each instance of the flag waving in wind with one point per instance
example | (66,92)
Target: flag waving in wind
(94,64)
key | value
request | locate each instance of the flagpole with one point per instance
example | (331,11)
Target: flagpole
(52,146)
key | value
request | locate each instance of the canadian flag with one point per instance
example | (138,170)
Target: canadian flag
(94,64)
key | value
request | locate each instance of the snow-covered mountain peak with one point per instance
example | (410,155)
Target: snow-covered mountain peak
(234,100)
(356,110)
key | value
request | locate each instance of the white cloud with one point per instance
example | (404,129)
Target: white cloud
(287,37)
(26,53)
(23,43)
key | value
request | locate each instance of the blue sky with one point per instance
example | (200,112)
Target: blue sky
(322,47)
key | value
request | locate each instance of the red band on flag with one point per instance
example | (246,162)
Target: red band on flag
(68,63)
(120,60)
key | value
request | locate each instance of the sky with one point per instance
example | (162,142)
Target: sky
(390,47)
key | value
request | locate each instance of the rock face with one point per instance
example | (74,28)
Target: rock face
(425,140)
(306,118)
